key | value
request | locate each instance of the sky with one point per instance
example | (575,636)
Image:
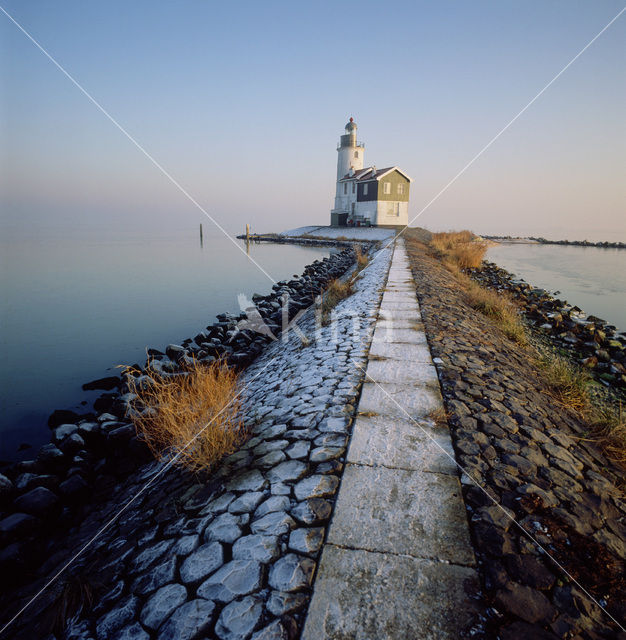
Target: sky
(243,104)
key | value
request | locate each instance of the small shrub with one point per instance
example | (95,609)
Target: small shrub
(194,414)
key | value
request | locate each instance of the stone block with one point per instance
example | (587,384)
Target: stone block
(401,352)
(389,442)
(404,512)
(359,594)
(399,401)
(412,335)
(411,373)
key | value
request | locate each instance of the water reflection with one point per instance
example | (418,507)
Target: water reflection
(73,310)
(594,279)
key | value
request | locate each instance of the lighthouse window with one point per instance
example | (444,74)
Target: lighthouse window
(387,188)
(345,188)
(356,154)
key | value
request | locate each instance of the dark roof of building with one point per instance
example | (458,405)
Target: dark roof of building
(371,173)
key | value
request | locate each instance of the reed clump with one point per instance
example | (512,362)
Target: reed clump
(192,416)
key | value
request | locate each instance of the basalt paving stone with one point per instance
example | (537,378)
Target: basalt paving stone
(401,444)
(352,599)
(402,512)
(399,400)
(301,405)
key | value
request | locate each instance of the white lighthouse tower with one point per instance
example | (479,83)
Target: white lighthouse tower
(350,155)
(350,152)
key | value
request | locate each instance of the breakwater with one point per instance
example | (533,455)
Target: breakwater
(545,506)
(235,553)
(90,454)
(565,243)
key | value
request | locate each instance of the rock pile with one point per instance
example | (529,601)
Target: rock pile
(594,343)
(95,452)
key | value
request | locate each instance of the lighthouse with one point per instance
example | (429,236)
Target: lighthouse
(349,151)
(370,196)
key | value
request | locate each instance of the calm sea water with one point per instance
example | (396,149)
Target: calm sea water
(74,309)
(593,279)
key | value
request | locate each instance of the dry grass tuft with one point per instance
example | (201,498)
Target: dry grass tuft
(461,248)
(333,295)
(608,429)
(499,307)
(568,382)
(194,414)
(439,416)
(74,595)
(362,259)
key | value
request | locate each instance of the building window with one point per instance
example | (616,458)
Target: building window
(345,188)
(386,188)
(400,189)
(356,154)
(365,189)
(354,187)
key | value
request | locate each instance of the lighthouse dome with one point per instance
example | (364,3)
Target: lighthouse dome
(351,126)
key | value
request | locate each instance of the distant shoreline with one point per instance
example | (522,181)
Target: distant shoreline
(576,243)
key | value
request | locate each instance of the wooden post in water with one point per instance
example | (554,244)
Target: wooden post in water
(247,233)
(201,239)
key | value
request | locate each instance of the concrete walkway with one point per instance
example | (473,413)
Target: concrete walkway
(398,562)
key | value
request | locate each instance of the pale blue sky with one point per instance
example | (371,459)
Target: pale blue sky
(244,102)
